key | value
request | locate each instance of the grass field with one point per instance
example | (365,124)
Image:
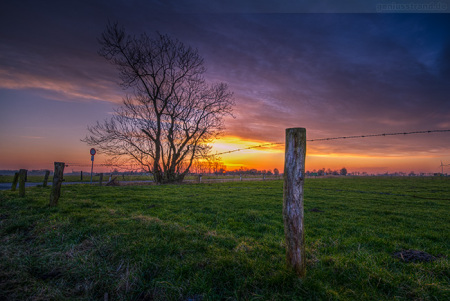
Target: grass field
(77,178)
(225,241)
(96,178)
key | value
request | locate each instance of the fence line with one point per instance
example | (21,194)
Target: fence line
(337,138)
(380,135)
(308,140)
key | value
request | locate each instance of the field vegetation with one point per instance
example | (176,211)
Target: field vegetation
(128,178)
(225,241)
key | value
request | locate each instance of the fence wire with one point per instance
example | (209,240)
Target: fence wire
(336,138)
(308,140)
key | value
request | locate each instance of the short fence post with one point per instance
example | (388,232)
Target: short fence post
(47,173)
(240,178)
(81,175)
(15,180)
(264,176)
(199,178)
(294,170)
(100,181)
(22,180)
(57,181)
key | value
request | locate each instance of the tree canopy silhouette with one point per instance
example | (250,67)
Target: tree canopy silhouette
(170,112)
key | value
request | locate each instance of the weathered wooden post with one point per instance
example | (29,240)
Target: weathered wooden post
(100,181)
(47,173)
(240,178)
(199,178)
(264,176)
(57,181)
(22,180)
(294,171)
(15,180)
(81,175)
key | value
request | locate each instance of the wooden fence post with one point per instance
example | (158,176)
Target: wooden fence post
(57,181)
(294,171)
(47,173)
(15,180)
(22,180)
(100,181)
(81,175)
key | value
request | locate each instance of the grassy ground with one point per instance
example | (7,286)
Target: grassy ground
(96,178)
(225,241)
(77,178)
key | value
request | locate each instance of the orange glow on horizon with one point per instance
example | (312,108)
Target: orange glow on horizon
(271,157)
(36,152)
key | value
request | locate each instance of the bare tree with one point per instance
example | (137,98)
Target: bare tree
(276,171)
(170,113)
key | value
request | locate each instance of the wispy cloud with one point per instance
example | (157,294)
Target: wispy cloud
(32,137)
(58,89)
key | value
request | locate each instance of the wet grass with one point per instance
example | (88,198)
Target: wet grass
(225,241)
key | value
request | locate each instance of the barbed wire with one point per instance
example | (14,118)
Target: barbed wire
(245,148)
(380,135)
(308,140)
(335,138)
(89,165)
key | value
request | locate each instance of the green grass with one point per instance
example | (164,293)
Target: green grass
(96,178)
(225,241)
(77,178)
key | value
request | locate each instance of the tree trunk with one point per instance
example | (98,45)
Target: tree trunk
(294,170)
(57,181)
(157,174)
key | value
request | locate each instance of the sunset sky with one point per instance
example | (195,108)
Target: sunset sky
(336,70)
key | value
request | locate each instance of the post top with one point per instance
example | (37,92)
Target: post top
(296,129)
